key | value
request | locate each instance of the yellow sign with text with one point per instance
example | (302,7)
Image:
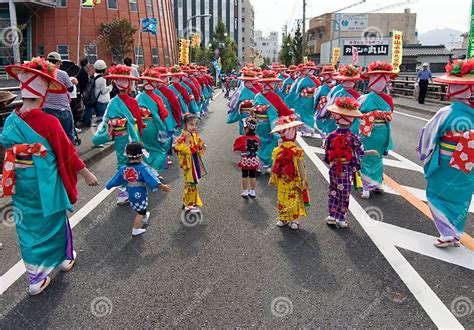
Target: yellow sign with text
(184,51)
(336,52)
(397,50)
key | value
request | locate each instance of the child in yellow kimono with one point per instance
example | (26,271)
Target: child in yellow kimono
(289,175)
(190,148)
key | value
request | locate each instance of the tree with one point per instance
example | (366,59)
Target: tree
(226,46)
(202,56)
(286,53)
(297,45)
(117,36)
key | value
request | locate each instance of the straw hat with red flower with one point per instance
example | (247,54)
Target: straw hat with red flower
(163,71)
(286,122)
(151,74)
(269,76)
(120,71)
(379,67)
(327,70)
(348,73)
(248,75)
(458,72)
(177,71)
(345,106)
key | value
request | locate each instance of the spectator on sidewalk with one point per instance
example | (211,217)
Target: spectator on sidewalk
(6,98)
(424,77)
(82,79)
(101,93)
(57,104)
(128,62)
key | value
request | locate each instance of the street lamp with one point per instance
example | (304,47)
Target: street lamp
(189,31)
(338,33)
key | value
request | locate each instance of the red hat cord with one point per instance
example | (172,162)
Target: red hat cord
(27,87)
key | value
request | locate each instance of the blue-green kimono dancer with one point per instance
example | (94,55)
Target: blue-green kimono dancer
(266,123)
(304,106)
(40,202)
(117,109)
(380,139)
(182,103)
(283,92)
(279,89)
(192,106)
(449,190)
(322,90)
(155,135)
(235,114)
(290,97)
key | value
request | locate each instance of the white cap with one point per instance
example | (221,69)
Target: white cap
(425,64)
(100,65)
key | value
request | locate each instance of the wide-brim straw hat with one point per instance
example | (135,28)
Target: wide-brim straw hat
(467,79)
(54,86)
(248,78)
(344,111)
(345,78)
(282,126)
(7,97)
(121,76)
(366,75)
(151,79)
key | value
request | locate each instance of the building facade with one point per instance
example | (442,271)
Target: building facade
(248,32)
(73,30)
(365,27)
(268,46)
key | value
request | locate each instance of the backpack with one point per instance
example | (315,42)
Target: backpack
(88,95)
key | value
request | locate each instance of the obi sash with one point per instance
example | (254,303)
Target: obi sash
(460,147)
(376,117)
(308,92)
(322,102)
(118,127)
(260,112)
(20,155)
(146,113)
(246,106)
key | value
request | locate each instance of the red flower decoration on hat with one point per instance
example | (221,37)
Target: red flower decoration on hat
(285,120)
(40,64)
(151,72)
(349,71)
(380,66)
(249,74)
(347,103)
(121,70)
(459,67)
(268,74)
(161,70)
(175,69)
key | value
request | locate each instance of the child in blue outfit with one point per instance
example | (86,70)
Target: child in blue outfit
(136,176)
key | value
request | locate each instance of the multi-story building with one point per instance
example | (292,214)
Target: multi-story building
(268,47)
(73,30)
(352,27)
(226,11)
(248,32)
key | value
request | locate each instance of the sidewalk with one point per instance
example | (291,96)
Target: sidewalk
(411,104)
(88,153)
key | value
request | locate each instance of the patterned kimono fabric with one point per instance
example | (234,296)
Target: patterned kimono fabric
(320,99)
(192,106)
(169,122)
(118,125)
(192,166)
(155,135)
(285,88)
(239,113)
(289,183)
(447,148)
(377,137)
(267,115)
(42,225)
(301,99)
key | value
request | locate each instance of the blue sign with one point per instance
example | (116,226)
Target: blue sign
(149,25)
(217,67)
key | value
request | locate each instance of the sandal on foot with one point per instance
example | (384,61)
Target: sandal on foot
(37,288)
(67,265)
(294,225)
(330,221)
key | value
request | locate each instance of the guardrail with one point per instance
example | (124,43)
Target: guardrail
(405,85)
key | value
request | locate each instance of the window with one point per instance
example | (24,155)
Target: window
(180,3)
(83,4)
(133,5)
(139,55)
(90,52)
(149,8)
(41,51)
(63,50)
(154,53)
(167,57)
(116,58)
(61,3)
(112,4)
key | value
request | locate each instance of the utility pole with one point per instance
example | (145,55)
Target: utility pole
(15,33)
(303,43)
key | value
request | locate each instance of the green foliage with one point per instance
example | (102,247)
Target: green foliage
(227,47)
(297,46)
(286,52)
(117,36)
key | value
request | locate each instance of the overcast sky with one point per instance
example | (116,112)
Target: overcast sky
(271,15)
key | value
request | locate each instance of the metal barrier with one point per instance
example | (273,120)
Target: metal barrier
(405,85)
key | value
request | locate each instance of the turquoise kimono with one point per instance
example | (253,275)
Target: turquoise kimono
(449,190)
(170,123)
(40,203)
(192,106)
(323,90)
(328,124)
(235,114)
(380,140)
(283,90)
(266,123)
(182,103)
(304,106)
(117,109)
(155,135)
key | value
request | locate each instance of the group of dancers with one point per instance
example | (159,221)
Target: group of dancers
(41,164)
(271,105)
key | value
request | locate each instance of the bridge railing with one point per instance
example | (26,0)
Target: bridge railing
(405,85)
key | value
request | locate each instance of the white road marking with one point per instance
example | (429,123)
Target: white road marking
(215,96)
(406,114)
(14,273)
(433,306)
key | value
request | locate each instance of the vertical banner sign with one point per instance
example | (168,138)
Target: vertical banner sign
(470,47)
(336,52)
(184,51)
(196,40)
(355,56)
(397,50)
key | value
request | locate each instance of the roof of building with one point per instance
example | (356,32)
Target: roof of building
(425,50)
(459,52)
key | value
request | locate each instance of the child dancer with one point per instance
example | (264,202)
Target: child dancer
(136,176)
(248,146)
(288,174)
(190,149)
(343,152)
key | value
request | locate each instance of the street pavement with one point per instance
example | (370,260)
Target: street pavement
(236,269)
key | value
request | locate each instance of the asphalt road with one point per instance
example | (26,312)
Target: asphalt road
(236,269)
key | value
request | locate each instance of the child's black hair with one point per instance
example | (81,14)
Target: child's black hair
(134,150)
(251,125)
(187,118)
